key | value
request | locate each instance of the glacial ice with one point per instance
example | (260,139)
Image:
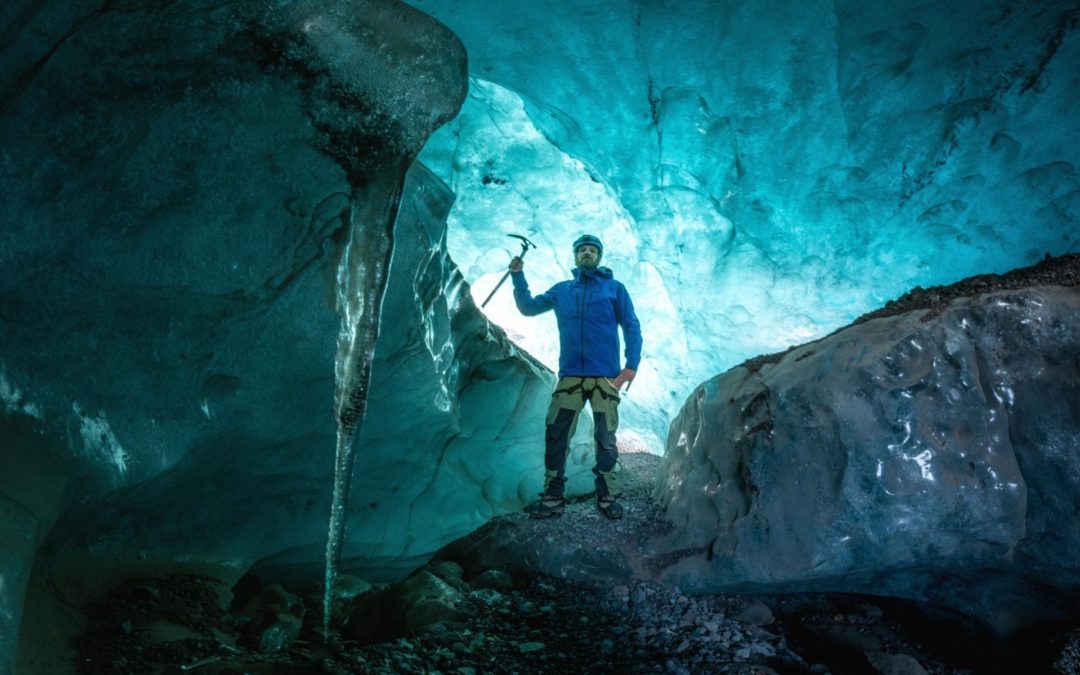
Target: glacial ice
(177,186)
(762,173)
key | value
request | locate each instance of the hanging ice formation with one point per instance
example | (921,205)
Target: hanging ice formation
(361,286)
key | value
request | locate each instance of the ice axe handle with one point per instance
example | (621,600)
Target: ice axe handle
(525,244)
(492,293)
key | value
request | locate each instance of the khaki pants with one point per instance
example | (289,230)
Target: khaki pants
(567,402)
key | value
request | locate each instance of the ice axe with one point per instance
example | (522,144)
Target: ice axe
(525,245)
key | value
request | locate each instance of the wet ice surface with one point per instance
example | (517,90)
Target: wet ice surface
(188,311)
(770,188)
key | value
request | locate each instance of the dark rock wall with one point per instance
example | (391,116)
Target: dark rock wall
(933,454)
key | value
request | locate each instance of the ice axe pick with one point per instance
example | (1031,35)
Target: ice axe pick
(525,246)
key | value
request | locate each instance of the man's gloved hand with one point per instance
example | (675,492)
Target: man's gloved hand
(626,376)
(517,264)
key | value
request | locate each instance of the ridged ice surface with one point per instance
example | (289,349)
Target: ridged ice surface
(763,172)
(181,329)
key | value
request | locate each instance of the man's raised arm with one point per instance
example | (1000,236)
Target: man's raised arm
(526,303)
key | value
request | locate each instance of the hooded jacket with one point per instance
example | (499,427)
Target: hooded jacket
(589,309)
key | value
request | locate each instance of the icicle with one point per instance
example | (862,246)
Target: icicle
(361,285)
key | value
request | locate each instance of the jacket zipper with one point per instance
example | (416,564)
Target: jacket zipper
(584,302)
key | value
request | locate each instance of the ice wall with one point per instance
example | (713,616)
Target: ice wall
(762,172)
(178,183)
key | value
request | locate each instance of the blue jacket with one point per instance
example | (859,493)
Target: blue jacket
(589,309)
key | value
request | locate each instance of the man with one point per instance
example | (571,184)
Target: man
(589,310)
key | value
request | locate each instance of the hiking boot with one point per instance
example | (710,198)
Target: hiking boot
(609,507)
(545,507)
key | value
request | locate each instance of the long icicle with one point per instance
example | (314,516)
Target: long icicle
(361,286)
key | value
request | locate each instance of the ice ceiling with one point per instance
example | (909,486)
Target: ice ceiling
(178,186)
(761,173)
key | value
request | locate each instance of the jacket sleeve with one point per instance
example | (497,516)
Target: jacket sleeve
(526,303)
(630,327)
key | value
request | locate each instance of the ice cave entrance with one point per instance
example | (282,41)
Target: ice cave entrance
(508,177)
(513,175)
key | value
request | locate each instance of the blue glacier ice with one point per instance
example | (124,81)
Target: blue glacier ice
(192,193)
(764,172)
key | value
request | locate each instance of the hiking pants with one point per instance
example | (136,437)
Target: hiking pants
(567,402)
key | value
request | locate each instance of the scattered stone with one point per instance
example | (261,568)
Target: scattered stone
(894,664)
(488,597)
(450,572)
(275,618)
(348,587)
(539,624)
(842,636)
(1069,661)
(756,613)
(496,580)
(423,602)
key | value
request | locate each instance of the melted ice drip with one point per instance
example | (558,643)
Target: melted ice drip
(361,286)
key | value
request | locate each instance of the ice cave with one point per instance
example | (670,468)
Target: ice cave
(254,417)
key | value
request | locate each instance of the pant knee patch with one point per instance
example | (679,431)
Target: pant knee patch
(557,438)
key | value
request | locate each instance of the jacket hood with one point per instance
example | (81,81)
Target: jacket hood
(602,272)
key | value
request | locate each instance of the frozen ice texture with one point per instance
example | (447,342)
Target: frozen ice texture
(179,181)
(762,172)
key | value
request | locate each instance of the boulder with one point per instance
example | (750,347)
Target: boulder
(274,618)
(496,580)
(413,606)
(930,454)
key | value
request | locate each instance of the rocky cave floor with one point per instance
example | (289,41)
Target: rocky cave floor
(503,621)
(498,622)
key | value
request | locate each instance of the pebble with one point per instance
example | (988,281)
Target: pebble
(631,628)
(496,580)
(489,597)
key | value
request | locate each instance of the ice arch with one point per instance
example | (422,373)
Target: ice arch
(765,172)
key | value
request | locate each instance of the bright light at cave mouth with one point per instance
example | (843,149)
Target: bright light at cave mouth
(729,247)
(698,318)
(511,178)
(508,178)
